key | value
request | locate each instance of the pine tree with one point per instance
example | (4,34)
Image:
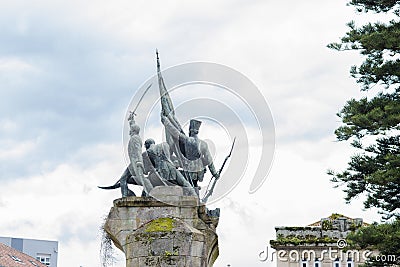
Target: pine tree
(384,238)
(373,124)
(373,127)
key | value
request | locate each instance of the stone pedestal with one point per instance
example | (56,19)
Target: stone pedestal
(168,229)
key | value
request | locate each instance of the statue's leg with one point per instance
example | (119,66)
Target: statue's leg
(189,177)
(147,186)
(125,191)
(183,182)
(141,180)
(194,178)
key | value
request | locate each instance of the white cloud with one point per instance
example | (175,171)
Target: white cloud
(8,126)
(64,204)
(296,193)
(69,68)
(15,65)
(11,150)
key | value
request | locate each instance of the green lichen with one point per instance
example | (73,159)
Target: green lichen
(327,225)
(173,253)
(295,240)
(160,225)
(335,216)
(353,226)
(297,228)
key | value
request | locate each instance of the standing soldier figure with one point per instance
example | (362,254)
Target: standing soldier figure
(135,167)
(196,155)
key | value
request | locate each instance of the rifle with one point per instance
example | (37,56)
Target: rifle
(209,192)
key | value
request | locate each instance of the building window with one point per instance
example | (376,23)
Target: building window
(350,263)
(317,263)
(44,258)
(336,263)
(304,263)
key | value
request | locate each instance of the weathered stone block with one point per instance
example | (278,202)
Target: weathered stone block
(195,261)
(162,191)
(197,249)
(160,233)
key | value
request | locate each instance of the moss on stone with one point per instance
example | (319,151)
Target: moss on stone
(171,253)
(327,225)
(296,228)
(353,226)
(160,225)
(295,240)
(335,216)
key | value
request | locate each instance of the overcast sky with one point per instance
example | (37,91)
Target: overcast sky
(68,70)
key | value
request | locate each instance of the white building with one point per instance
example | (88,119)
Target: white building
(43,250)
(321,244)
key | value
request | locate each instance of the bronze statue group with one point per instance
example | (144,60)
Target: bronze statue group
(182,160)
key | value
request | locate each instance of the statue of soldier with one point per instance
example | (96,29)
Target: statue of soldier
(159,160)
(155,163)
(196,155)
(135,167)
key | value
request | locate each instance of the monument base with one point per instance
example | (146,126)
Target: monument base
(168,229)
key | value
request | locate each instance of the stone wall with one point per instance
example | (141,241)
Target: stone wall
(168,229)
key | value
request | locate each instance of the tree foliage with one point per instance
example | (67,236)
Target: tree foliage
(384,238)
(372,124)
(374,5)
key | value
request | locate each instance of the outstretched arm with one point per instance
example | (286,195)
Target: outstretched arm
(172,126)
